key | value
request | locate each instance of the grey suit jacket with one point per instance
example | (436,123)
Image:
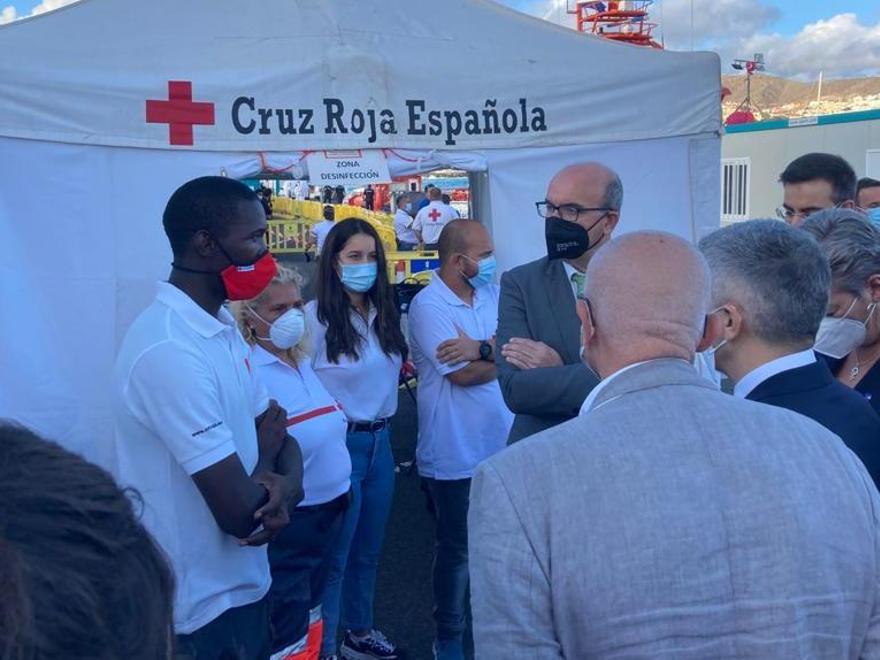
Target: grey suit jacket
(536,303)
(676,522)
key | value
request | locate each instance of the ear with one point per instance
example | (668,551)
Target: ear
(713,331)
(874,287)
(587,327)
(611,221)
(848,204)
(203,243)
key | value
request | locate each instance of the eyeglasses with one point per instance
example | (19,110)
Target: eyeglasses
(570,212)
(785,213)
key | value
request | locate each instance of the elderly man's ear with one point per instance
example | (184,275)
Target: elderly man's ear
(583,312)
(722,324)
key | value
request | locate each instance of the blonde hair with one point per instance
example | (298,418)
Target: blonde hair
(242,311)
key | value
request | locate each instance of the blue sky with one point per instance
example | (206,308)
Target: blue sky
(799,38)
(794,14)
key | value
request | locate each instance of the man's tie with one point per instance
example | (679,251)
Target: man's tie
(579,279)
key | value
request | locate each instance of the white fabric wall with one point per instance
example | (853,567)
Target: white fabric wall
(82,248)
(670,185)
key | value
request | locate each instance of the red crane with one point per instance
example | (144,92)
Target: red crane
(625,21)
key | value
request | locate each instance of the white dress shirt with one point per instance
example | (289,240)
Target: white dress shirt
(569,273)
(757,376)
(591,397)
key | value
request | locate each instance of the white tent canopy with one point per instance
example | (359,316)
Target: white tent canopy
(106,106)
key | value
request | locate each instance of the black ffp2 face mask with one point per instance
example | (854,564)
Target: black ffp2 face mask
(565,240)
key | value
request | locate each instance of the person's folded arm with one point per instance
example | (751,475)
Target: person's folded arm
(542,391)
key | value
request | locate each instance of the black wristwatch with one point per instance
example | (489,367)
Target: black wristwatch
(485,350)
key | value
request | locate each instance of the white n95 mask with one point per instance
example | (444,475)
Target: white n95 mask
(838,337)
(287,330)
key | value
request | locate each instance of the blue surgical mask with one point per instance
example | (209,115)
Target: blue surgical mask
(359,277)
(485,273)
(874,215)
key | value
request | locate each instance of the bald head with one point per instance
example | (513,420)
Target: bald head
(648,295)
(462,237)
(592,184)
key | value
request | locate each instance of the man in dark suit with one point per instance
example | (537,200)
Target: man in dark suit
(770,287)
(542,377)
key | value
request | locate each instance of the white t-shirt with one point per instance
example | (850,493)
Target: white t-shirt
(314,419)
(403,227)
(459,427)
(320,231)
(366,387)
(432,219)
(185,399)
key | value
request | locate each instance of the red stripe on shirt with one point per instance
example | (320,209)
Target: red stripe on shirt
(317,412)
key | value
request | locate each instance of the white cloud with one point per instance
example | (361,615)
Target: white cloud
(8,14)
(712,21)
(49,5)
(839,45)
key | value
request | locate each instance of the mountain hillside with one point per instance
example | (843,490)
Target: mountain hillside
(779,97)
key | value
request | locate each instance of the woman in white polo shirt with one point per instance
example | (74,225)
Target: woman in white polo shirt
(273,324)
(358,348)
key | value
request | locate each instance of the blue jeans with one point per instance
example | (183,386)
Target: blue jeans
(450,500)
(351,581)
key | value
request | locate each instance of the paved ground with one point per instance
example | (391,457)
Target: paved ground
(403,592)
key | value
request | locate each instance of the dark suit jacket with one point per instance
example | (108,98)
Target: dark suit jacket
(813,392)
(537,303)
(868,386)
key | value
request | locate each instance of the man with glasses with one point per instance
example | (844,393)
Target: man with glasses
(813,182)
(543,380)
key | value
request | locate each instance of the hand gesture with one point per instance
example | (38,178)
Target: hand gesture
(271,432)
(274,514)
(460,349)
(528,354)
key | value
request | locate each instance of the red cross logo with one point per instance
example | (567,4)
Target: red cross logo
(434,214)
(180,112)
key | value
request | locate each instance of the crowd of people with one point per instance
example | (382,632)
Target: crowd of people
(594,493)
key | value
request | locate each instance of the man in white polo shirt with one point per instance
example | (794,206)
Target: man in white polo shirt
(431,220)
(196,435)
(463,419)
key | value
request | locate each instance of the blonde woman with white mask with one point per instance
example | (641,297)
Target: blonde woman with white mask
(849,336)
(274,325)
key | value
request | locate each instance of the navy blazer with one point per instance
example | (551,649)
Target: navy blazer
(814,392)
(868,386)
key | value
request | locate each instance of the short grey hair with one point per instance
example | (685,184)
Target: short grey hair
(850,242)
(777,274)
(613,194)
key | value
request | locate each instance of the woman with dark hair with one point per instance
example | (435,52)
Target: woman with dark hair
(81,577)
(358,349)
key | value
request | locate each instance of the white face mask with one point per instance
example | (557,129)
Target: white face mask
(838,337)
(287,330)
(704,363)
